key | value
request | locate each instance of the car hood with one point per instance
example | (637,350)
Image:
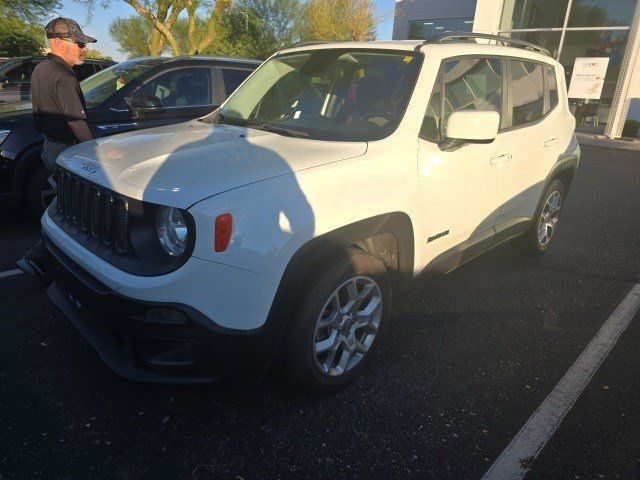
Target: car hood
(182,164)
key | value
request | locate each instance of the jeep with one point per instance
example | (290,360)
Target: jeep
(282,226)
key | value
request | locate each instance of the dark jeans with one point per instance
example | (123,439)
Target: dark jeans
(50,151)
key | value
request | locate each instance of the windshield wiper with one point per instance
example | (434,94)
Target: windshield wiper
(287,132)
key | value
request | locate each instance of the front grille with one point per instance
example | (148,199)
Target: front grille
(96,211)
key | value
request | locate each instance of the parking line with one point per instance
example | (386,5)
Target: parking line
(10,273)
(516,460)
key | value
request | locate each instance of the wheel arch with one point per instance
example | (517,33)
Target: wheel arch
(389,237)
(27,159)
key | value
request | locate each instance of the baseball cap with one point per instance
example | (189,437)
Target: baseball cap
(66,28)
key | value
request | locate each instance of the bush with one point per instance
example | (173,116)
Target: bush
(19,45)
(631,128)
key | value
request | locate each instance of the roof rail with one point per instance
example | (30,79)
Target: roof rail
(453,37)
(311,42)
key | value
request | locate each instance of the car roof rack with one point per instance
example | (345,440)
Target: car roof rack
(311,42)
(453,37)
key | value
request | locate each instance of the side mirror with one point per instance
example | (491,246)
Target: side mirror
(146,102)
(473,126)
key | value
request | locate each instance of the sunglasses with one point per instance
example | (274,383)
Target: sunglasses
(80,44)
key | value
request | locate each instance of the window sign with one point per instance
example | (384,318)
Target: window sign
(588,76)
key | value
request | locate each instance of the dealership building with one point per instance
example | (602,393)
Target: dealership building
(572,30)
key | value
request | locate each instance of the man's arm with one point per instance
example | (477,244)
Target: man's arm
(71,107)
(80,129)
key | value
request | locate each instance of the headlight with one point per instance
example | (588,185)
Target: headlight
(4,134)
(172,230)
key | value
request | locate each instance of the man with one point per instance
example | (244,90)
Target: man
(58,110)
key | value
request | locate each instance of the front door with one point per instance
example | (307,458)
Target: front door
(462,183)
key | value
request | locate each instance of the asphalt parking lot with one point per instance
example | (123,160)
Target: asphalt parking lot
(466,363)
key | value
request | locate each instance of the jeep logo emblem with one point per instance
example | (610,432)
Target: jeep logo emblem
(91,167)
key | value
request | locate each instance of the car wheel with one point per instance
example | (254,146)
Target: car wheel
(536,240)
(338,320)
(40,190)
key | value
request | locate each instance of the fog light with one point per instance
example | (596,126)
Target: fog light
(166,315)
(167,352)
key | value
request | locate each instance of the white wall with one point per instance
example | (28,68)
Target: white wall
(487,17)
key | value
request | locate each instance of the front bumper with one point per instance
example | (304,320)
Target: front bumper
(153,341)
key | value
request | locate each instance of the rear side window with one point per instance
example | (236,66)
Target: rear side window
(465,84)
(527,91)
(552,85)
(84,71)
(233,78)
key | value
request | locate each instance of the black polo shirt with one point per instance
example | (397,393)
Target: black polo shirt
(56,99)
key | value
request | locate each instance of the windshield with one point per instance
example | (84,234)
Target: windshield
(329,94)
(102,85)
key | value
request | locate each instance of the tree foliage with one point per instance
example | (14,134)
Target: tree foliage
(18,38)
(31,11)
(132,35)
(97,54)
(347,20)
(244,28)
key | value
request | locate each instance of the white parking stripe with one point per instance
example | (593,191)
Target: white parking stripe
(519,455)
(10,273)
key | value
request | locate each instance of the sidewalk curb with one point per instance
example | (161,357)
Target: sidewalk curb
(607,143)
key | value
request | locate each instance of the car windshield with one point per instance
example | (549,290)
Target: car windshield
(102,85)
(328,94)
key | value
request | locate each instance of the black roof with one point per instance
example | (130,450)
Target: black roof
(203,58)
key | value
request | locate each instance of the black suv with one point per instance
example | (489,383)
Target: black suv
(15,75)
(132,95)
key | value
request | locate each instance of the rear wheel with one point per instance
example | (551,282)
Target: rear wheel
(337,322)
(40,189)
(536,240)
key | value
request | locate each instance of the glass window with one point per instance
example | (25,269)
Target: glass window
(232,78)
(548,40)
(19,74)
(184,87)
(471,84)
(84,71)
(425,29)
(552,86)
(99,87)
(527,91)
(592,115)
(602,13)
(327,94)
(518,14)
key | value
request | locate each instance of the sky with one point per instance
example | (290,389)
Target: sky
(97,24)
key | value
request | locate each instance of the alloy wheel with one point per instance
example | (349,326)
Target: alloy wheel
(347,326)
(549,218)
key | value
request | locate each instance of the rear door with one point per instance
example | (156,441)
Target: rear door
(462,185)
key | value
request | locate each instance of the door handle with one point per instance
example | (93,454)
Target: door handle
(550,141)
(505,157)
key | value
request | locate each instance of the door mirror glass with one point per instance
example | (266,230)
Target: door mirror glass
(473,125)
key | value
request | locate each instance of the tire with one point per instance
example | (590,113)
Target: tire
(534,241)
(328,291)
(39,191)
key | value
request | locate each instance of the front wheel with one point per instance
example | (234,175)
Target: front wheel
(536,240)
(337,321)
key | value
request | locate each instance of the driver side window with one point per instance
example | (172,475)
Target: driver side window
(464,84)
(179,88)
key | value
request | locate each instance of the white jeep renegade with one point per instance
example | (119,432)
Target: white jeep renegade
(289,219)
